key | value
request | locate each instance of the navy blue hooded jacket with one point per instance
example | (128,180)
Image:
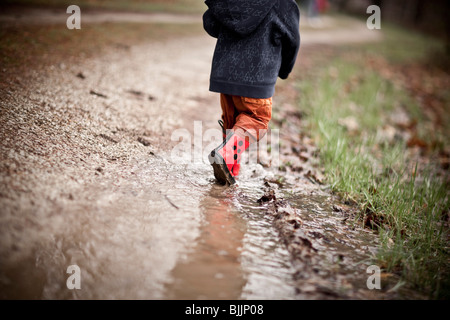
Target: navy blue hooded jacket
(257,42)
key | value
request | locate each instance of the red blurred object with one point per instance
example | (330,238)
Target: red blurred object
(322,5)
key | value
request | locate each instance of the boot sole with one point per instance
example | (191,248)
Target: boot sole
(221,171)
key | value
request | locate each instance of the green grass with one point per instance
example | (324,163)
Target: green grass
(399,46)
(348,106)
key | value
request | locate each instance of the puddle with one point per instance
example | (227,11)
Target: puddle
(212,267)
(264,256)
(238,254)
(169,231)
(342,249)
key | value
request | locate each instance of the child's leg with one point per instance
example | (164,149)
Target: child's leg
(228,111)
(253,116)
(252,120)
(249,114)
(249,118)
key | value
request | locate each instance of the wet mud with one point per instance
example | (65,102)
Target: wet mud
(88,178)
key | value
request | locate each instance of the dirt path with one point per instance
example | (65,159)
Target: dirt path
(88,177)
(24,16)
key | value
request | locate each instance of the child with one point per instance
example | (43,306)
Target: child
(257,42)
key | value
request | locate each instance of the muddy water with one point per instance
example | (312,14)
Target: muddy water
(343,250)
(265,258)
(239,254)
(162,230)
(169,231)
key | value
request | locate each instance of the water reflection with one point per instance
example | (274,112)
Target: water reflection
(264,256)
(238,254)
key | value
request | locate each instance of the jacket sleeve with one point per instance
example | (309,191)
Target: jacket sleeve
(210,24)
(290,40)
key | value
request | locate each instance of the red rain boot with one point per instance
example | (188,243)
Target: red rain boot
(237,166)
(226,158)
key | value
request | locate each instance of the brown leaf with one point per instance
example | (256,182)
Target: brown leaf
(414,141)
(267,197)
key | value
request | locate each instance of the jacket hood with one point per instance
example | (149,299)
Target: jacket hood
(240,16)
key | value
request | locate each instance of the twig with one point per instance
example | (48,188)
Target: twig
(97,94)
(171,202)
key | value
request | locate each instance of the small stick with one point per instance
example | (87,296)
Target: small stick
(171,202)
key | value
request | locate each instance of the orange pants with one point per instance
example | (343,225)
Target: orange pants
(249,114)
